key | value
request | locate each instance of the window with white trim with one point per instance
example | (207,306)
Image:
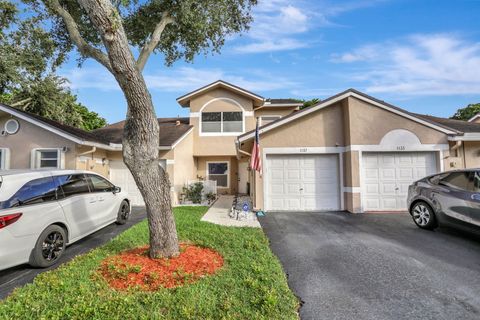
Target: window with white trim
(47,158)
(267,119)
(222,122)
(3,158)
(218,171)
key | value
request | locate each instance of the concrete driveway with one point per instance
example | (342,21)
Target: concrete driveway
(376,266)
(21,275)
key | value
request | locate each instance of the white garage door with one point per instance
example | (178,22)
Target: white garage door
(386,177)
(302,183)
(121,177)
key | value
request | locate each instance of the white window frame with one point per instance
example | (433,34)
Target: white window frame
(221,133)
(36,158)
(269,115)
(4,158)
(228,173)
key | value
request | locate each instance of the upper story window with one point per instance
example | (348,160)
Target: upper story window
(222,122)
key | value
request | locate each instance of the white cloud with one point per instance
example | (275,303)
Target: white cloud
(436,64)
(180,80)
(280,25)
(272,46)
(275,24)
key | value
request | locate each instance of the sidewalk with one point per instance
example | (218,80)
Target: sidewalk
(218,214)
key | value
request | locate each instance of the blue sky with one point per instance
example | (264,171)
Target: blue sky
(421,55)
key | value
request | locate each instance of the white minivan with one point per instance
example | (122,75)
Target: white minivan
(41,212)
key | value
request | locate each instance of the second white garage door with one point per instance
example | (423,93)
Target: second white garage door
(302,183)
(121,177)
(386,177)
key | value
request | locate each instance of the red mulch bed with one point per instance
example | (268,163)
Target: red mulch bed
(133,268)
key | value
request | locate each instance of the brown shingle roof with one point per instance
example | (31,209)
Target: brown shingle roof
(76,132)
(170,131)
(459,125)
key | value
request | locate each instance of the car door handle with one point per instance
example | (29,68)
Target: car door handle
(101,199)
(476,196)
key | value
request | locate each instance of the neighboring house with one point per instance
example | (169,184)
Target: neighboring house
(349,152)
(475,118)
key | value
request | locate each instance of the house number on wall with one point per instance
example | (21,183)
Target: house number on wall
(401,148)
(303,150)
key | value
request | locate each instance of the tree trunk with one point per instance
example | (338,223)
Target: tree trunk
(141,134)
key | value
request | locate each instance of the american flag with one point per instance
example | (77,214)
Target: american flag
(256,161)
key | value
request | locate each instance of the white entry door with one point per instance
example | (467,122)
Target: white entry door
(302,183)
(387,175)
(121,177)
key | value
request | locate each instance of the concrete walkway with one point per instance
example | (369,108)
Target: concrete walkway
(218,214)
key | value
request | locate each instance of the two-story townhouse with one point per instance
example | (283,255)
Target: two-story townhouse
(219,112)
(348,152)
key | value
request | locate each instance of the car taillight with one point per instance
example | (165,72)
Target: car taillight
(9,219)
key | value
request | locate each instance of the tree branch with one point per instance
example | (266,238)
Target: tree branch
(154,40)
(72,28)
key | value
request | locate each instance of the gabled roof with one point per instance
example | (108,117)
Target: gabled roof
(109,137)
(171,131)
(475,117)
(185,99)
(447,129)
(459,125)
(71,133)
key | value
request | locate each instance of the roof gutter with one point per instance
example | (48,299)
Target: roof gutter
(468,136)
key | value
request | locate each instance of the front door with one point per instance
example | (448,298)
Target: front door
(242,177)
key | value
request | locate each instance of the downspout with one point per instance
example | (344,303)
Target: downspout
(455,148)
(88,152)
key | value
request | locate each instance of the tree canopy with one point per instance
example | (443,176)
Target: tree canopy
(50,98)
(467,113)
(29,56)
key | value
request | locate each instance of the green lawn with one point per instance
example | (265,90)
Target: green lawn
(251,285)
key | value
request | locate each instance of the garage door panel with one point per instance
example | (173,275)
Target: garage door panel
(293,174)
(371,174)
(396,171)
(310,183)
(406,173)
(387,173)
(293,188)
(278,188)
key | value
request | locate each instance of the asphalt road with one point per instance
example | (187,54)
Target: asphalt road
(21,275)
(376,266)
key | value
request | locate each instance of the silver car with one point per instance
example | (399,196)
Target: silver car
(446,198)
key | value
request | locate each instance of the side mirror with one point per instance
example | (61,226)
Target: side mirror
(116,190)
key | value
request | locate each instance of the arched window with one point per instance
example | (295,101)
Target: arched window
(222,116)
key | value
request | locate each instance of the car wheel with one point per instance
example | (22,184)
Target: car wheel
(50,247)
(423,215)
(123,213)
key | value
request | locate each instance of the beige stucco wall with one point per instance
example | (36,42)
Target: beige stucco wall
(184,166)
(30,137)
(218,145)
(92,161)
(351,167)
(472,154)
(369,124)
(202,172)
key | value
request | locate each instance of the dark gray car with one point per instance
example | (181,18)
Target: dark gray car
(446,198)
